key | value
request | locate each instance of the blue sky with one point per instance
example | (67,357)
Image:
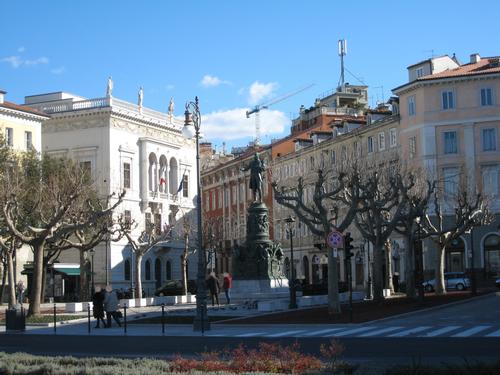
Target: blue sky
(232,54)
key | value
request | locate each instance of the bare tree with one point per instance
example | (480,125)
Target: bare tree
(444,226)
(334,205)
(381,210)
(141,245)
(48,200)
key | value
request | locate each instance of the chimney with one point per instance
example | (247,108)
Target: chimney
(2,96)
(475,58)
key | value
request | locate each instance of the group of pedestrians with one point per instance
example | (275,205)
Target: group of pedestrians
(106,301)
(213,287)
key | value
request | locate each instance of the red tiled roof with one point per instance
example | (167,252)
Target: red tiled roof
(482,67)
(22,108)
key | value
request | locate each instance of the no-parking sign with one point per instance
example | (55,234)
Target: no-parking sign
(335,239)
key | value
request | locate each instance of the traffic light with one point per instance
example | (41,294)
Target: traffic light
(348,245)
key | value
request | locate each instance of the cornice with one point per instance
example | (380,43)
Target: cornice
(22,114)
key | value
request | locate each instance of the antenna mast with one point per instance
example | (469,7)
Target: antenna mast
(342,53)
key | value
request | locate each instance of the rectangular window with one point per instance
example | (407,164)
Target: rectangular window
(28,140)
(448,101)
(127,218)
(450,179)
(343,153)
(411,106)
(393,140)
(486,97)
(419,72)
(490,180)
(185,186)
(9,136)
(450,142)
(333,156)
(412,146)
(86,168)
(147,220)
(207,202)
(219,205)
(381,141)
(233,195)
(126,175)
(370,145)
(489,140)
(213,200)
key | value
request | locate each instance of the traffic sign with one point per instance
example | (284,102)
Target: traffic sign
(335,239)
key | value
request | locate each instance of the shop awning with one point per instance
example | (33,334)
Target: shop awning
(69,271)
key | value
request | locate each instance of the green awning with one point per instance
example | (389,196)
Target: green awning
(69,271)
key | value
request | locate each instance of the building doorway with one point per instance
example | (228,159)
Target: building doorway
(455,256)
(492,255)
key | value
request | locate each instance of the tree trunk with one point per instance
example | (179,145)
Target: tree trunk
(12,284)
(138,277)
(183,265)
(36,285)
(84,277)
(388,273)
(333,284)
(440,287)
(378,275)
(4,281)
(409,267)
(44,280)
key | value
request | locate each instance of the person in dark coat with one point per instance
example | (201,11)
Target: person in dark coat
(214,288)
(98,309)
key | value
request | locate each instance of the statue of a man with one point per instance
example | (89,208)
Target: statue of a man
(140,97)
(171,107)
(256,168)
(109,89)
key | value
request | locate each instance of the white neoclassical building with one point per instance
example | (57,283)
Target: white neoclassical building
(127,147)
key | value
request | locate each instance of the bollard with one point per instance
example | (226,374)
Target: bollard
(125,318)
(163,319)
(55,319)
(88,314)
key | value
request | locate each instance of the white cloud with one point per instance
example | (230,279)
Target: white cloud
(234,124)
(212,81)
(169,87)
(17,61)
(259,91)
(21,49)
(40,60)
(58,71)
(14,61)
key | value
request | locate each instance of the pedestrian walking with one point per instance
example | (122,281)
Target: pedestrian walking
(227,284)
(214,288)
(98,307)
(111,307)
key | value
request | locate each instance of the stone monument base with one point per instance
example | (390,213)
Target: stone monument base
(259,289)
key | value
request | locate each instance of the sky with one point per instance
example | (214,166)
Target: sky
(234,54)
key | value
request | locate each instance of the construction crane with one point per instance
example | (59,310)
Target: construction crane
(260,107)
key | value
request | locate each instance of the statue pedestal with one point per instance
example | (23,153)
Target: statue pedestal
(260,289)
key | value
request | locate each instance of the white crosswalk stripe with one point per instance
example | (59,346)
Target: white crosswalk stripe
(379,331)
(471,331)
(321,332)
(350,332)
(441,331)
(282,334)
(494,334)
(410,331)
(251,334)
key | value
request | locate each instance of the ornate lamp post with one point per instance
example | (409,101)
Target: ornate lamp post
(191,129)
(293,297)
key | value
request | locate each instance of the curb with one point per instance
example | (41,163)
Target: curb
(433,308)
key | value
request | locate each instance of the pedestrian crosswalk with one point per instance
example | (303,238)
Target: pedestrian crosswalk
(369,331)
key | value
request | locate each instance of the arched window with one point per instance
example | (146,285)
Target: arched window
(147,269)
(492,254)
(126,269)
(168,270)
(153,172)
(163,175)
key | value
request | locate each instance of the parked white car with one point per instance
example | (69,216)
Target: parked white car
(453,280)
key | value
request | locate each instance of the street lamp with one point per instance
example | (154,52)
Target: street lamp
(92,252)
(293,297)
(192,122)
(419,264)
(366,247)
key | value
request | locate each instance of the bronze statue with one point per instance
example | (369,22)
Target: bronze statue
(256,168)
